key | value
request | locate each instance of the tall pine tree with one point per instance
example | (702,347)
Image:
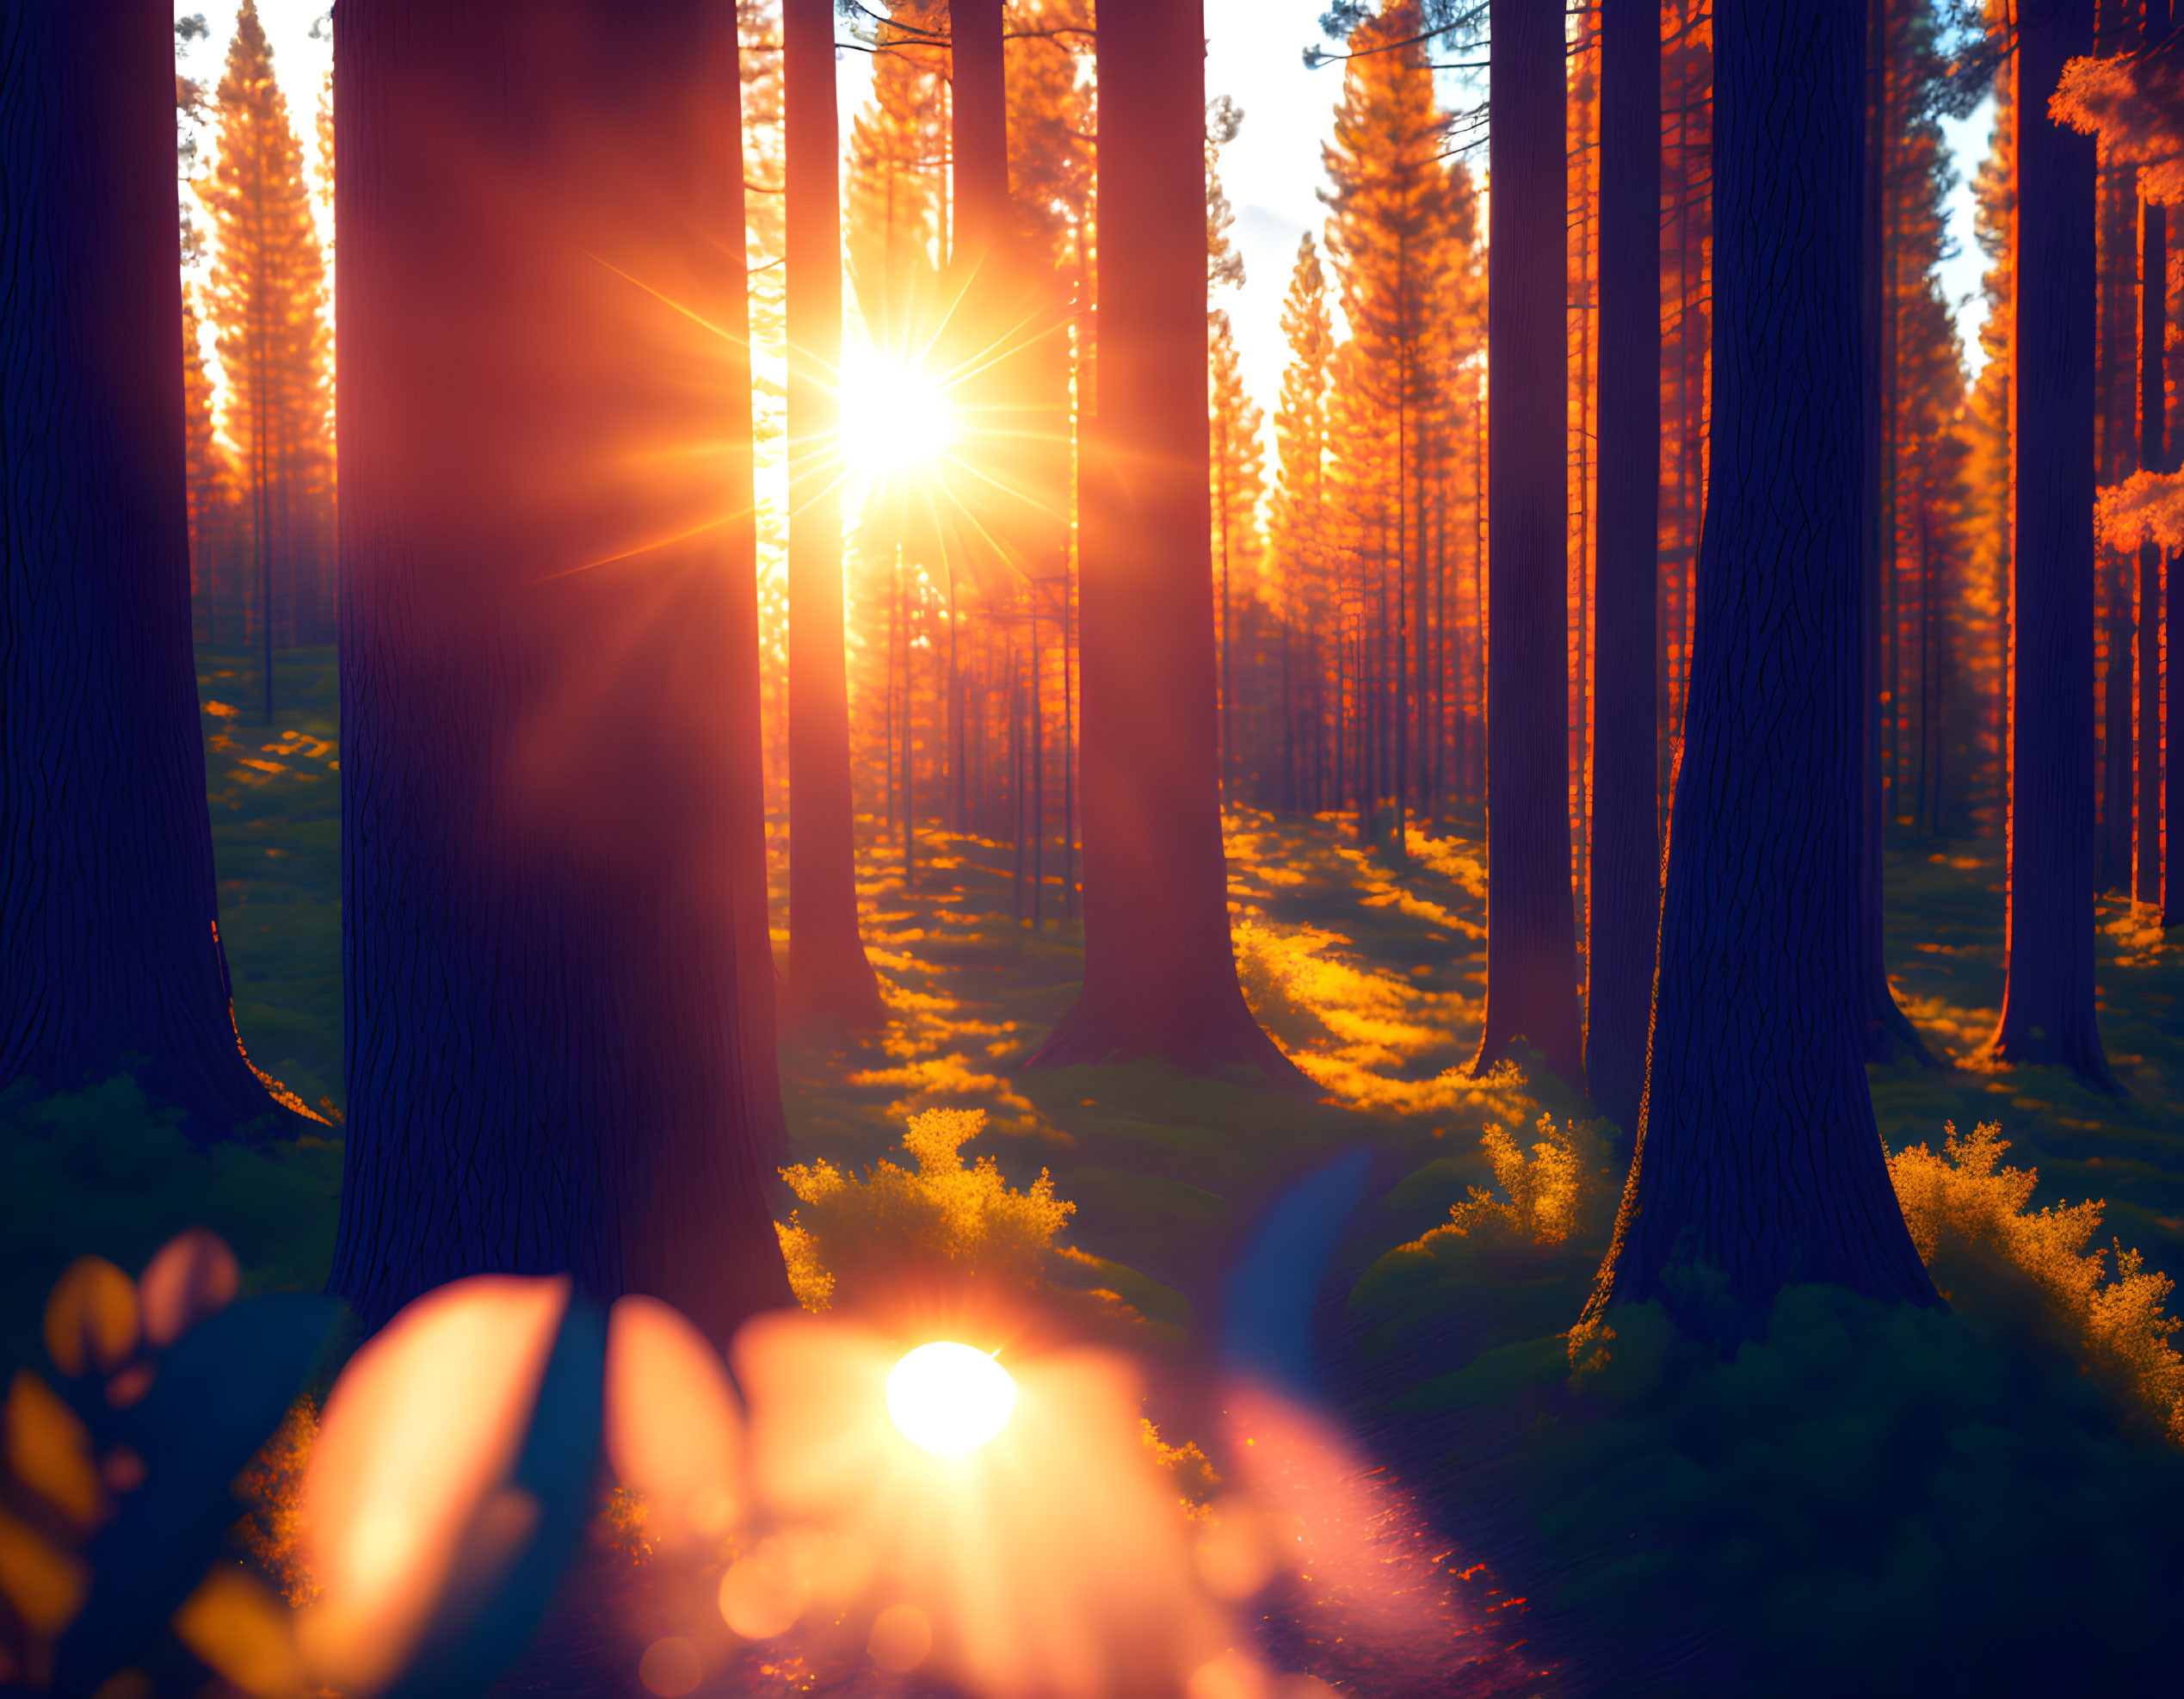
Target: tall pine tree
(1238,480)
(110,952)
(266,304)
(1531,936)
(1757,1162)
(1298,529)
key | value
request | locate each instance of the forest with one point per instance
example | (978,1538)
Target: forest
(730,964)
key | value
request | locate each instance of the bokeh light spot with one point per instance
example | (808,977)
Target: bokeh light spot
(669,1667)
(901,1639)
(763,1594)
(949,1398)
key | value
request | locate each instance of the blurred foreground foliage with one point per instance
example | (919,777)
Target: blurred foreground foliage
(108,1171)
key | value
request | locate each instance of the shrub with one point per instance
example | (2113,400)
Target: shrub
(1561,1190)
(855,1238)
(1960,1203)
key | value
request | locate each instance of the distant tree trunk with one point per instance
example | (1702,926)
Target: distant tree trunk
(2153,454)
(109,936)
(1159,968)
(1758,1163)
(2172,743)
(979,123)
(1886,1028)
(1624,904)
(2048,998)
(1531,922)
(829,978)
(560,1016)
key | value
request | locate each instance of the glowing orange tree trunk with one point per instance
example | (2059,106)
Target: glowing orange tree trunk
(560,1022)
(1159,972)
(827,977)
(1530,924)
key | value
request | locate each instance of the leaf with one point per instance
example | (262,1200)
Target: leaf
(221,1391)
(473,1640)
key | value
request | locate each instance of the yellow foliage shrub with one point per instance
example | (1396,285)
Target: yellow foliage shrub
(1187,1467)
(271,1483)
(1550,1194)
(967,1221)
(1963,1199)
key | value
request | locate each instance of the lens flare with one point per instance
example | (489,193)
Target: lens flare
(948,1399)
(897,417)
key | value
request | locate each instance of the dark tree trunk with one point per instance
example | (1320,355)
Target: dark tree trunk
(980,125)
(1887,1030)
(109,939)
(1758,1163)
(2153,454)
(829,978)
(1159,969)
(1624,921)
(2048,999)
(560,1020)
(1531,921)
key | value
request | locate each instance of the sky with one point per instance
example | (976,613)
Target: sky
(1272,171)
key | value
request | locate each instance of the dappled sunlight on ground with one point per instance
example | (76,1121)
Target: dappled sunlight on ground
(1365,969)
(1368,974)
(1946,953)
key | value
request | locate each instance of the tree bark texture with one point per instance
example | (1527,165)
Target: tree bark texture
(1159,966)
(828,977)
(1624,921)
(560,1021)
(109,937)
(2048,997)
(1531,921)
(1758,1161)
(2153,455)
(1887,1029)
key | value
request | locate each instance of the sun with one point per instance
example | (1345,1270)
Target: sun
(950,1399)
(897,417)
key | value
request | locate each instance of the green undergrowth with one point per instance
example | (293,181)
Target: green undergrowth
(1866,1499)
(1871,1498)
(107,1171)
(1168,1170)
(275,796)
(1945,949)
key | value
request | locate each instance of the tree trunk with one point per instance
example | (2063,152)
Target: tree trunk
(560,1019)
(1624,919)
(1886,1028)
(109,935)
(829,978)
(979,126)
(1159,968)
(2048,998)
(1758,1163)
(2153,454)
(1531,923)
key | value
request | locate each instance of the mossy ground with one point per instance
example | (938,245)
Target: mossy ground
(1860,1489)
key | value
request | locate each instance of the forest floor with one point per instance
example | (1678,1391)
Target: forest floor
(1449,1365)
